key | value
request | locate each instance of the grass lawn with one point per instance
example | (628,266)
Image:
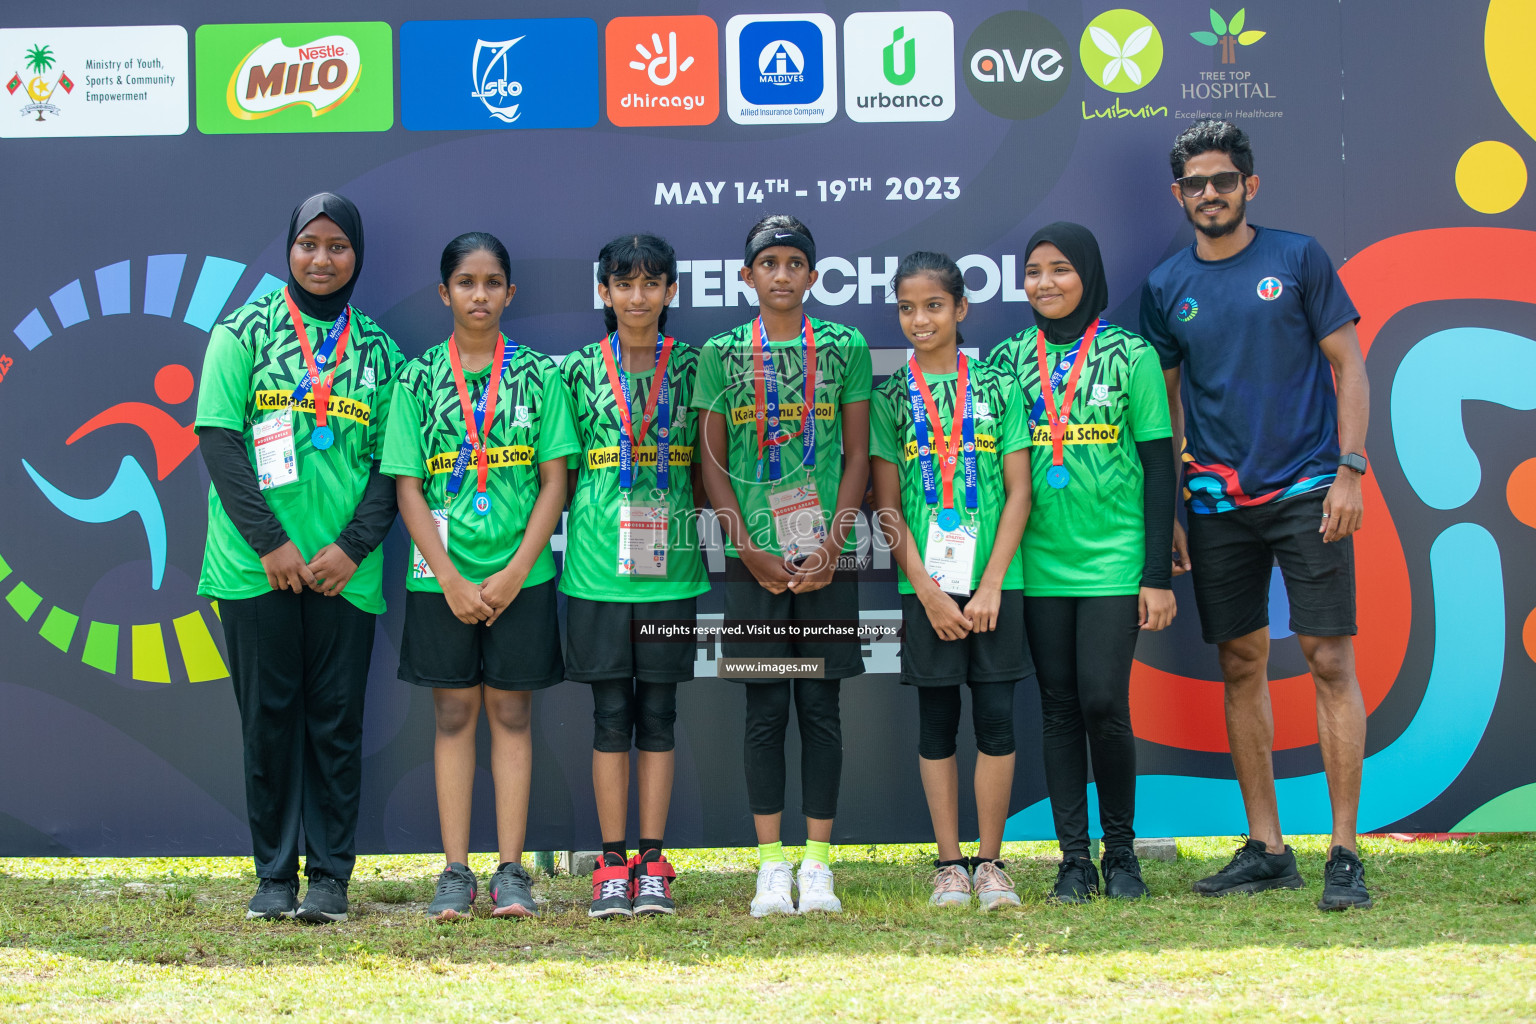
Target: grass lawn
(1452,938)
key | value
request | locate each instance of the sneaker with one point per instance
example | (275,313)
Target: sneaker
(457,888)
(275,898)
(512,892)
(1122,874)
(1253,869)
(951,886)
(610,889)
(773,886)
(652,886)
(1077,881)
(994,888)
(325,901)
(815,884)
(1344,882)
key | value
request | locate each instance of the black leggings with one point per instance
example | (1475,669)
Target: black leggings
(938,718)
(821,745)
(1083,648)
(622,708)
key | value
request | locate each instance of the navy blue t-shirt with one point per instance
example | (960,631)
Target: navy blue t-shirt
(1260,412)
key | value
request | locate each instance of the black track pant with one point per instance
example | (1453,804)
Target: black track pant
(300,667)
(1083,648)
(626,709)
(938,719)
(821,745)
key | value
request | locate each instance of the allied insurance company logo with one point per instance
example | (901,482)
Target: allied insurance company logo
(899,66)
(781,68)
(323,77)
(41,83)
(663,70)
(1016,65)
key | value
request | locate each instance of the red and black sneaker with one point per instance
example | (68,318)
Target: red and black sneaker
(651,890)
(610,889)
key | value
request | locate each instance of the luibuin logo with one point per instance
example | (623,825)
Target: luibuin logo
(1229,34)
(275,76)
(494,85)
(908,58)
(1121,50)
(39,60)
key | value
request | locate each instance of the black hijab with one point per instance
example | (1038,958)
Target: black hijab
(1081,249)
(340,210)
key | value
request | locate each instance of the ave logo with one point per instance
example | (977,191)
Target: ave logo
(781,68)
(663,71)
(1017,65)
(900,66)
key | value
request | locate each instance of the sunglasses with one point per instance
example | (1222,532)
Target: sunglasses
(1193,187)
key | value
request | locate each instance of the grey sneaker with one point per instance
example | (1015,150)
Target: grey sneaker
(951,886)
(325,902)
(457,888)
(994,889)
(275,898)
(512,892)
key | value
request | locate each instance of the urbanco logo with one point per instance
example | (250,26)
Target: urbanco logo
(899,66)
(1121,50)
(663,70)
(781,68)
(1016,65)
(324,77)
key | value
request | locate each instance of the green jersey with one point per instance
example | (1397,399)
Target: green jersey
(1000,429)
(254,362)
(1087,539)
(532,424)
(592,529)
(727,385)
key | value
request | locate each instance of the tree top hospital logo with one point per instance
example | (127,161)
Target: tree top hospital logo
(1016,65)
(899,66)
(523,73)
(1270,289)
(336,77)
(101,556)
(1121,50)
(663,71)
(781,68)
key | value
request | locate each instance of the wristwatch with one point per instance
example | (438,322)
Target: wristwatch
(1353,461)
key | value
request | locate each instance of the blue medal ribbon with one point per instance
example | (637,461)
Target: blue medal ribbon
(922,404)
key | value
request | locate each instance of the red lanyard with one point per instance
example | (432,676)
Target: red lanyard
(1058,420)
(760,342)
(618,389)
(477,437)
(320,388)
(947,450)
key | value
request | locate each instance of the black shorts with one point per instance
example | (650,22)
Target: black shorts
(520,652)
(745,599)
(1232,555)
(998,656)
(599,646)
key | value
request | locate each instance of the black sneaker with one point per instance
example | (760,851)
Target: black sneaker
(611,884)
(325,902)
(1253,869)
(1344,882)
(456,891)
(1077,880)
(275,898)
(653,884)
(1122,874)
(512,892)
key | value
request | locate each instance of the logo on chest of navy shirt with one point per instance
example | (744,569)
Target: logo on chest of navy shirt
(1270,289)
(1186,310)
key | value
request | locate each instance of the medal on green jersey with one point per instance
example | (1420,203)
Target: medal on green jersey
(1058,476)
(643,527)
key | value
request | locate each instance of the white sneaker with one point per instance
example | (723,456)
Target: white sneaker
(815,882)
(773,884)
(994,888)
(951,887)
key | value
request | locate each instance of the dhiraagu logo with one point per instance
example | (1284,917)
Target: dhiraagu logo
(1121,50)
(321,77)
(899,66)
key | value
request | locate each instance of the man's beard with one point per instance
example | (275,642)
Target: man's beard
(1218,230)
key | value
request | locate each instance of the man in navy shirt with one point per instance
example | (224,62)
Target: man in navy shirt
(1268,395)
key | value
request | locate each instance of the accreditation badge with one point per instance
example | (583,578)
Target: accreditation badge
(642,539)
(277,460)
(420,570)
(799,524)
(950,556)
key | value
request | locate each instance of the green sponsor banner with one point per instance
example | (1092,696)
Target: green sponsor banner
(306,77)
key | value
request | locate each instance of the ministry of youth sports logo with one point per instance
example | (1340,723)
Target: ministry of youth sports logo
(494,84)
(1270,289)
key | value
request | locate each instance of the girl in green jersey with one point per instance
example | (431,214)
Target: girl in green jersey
(951,474)
(477,443)
(1096,565)
(632,555)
